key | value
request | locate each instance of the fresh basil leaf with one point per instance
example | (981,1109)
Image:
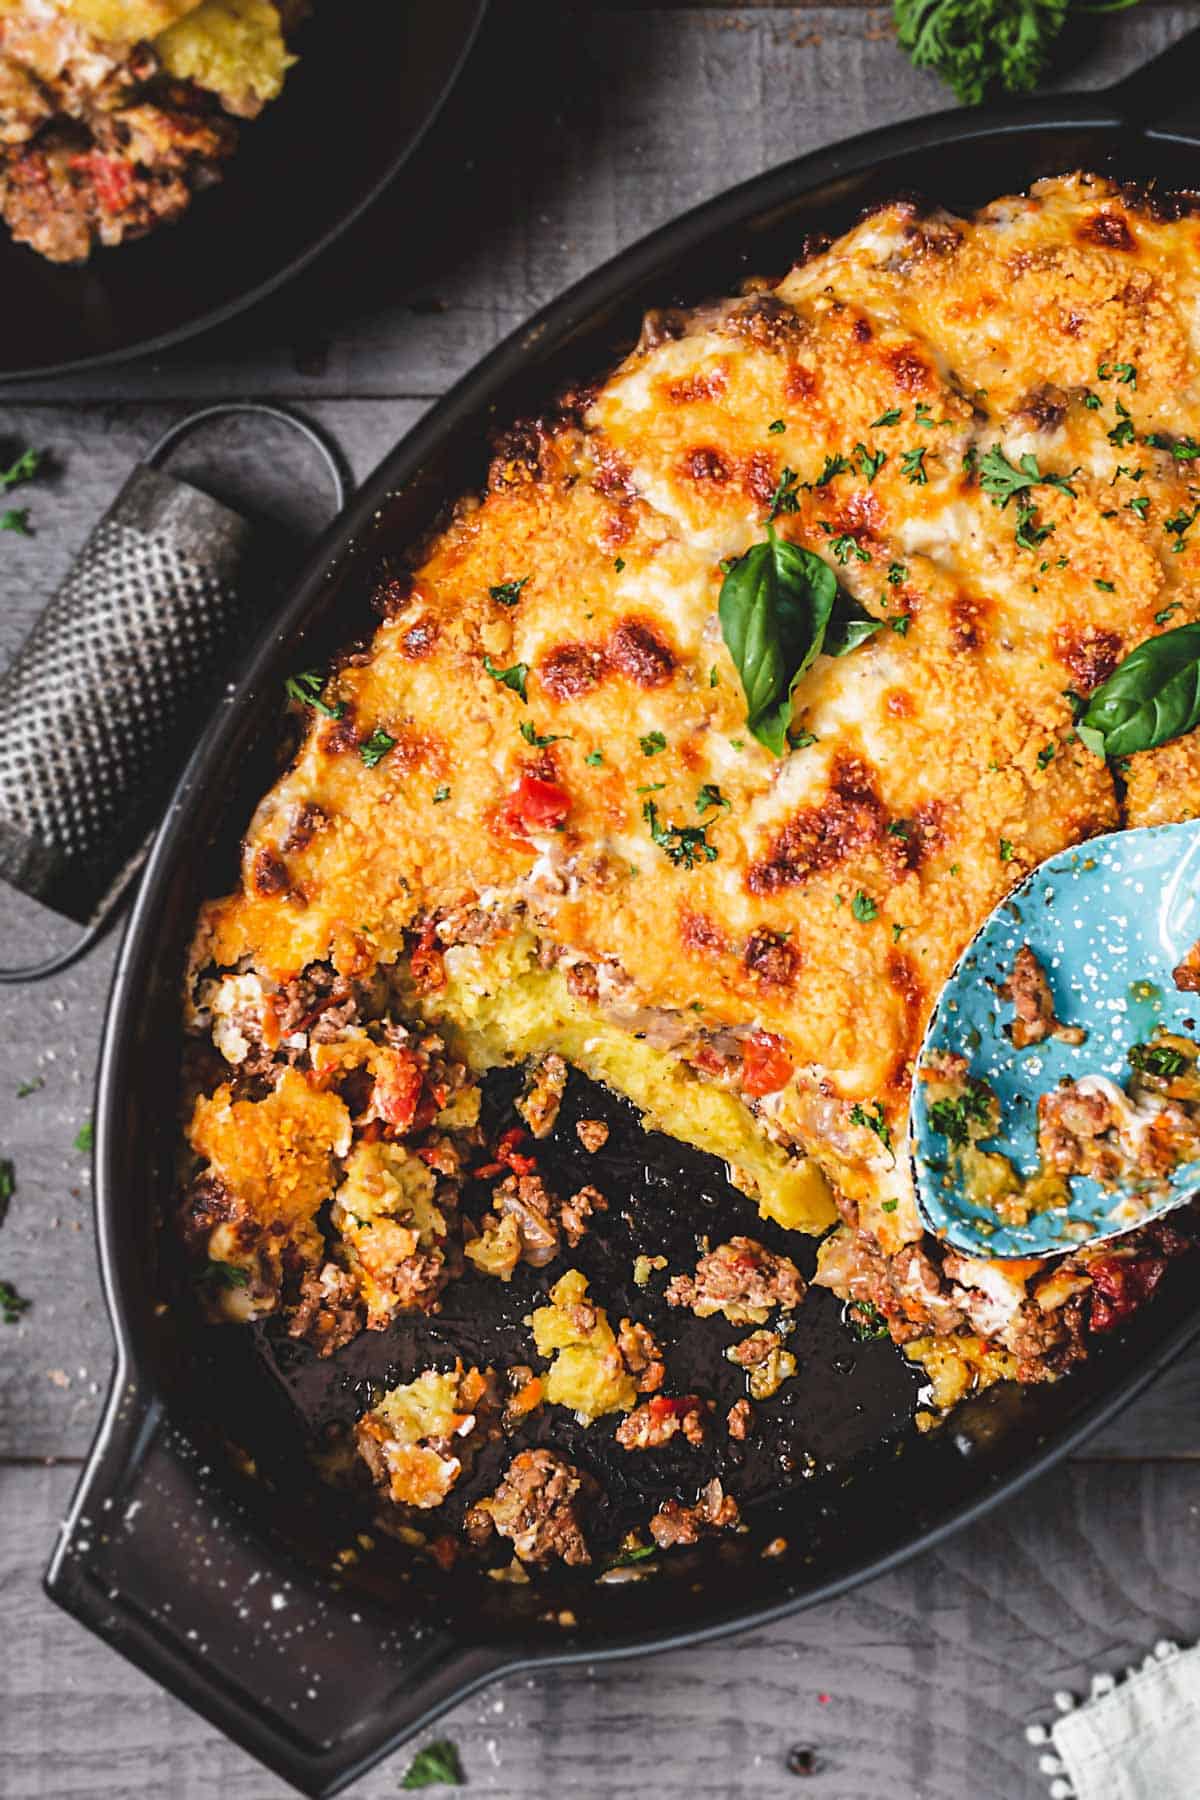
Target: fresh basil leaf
(850,626)
(1151,697)
(775,606)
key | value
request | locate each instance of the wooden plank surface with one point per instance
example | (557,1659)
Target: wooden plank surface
(546,164)
(917,1687)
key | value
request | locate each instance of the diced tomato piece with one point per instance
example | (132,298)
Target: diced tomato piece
(427,963)
(111,177)
(1119,1286)
(534,805)
(508,1154)
(706,1058)
(766,1065)
(398,1089)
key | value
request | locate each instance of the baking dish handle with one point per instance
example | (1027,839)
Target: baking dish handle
(1162,97)
(158,1560)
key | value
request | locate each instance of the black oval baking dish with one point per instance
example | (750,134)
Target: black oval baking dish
(345,125)
(198,1543)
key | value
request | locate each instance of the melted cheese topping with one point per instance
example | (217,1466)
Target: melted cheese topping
(945,764)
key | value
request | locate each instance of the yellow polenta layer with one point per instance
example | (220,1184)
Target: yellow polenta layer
(499,1006)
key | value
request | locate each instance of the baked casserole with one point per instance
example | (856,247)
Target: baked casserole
(689,755)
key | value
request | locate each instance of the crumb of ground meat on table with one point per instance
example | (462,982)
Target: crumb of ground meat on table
(741,1279)
(537,1506)
(675,1524)
(592,1134)
(1034,1018)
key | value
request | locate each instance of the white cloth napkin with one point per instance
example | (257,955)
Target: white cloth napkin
(1136,1738)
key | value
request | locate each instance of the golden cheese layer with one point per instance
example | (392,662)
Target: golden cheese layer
(849,874)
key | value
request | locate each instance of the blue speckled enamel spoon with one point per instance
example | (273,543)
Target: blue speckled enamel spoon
(1108,921)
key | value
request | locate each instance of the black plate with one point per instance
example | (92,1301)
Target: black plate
(370,80)
(244,1592)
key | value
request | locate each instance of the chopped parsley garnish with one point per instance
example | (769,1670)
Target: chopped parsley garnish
(713,677)
(1164,617)
(375,748)
(845,546)
(863,908)
(872,1119)
(619,564)
(1123,372)
(800,740)
(31,1086)
(869,464)
(785,498)
(1092,401)
(594,758)
(926,418)
(1140,505)
(441,792)
(1106,587)
(508,592)
(901,623)
(1129,474)
(8,1184)
(306,688)
(653,743)
(896,574)
(912,464)
(890,417)
(24,469)
(776,427)
(1179,523)
(12,1304)
(1006,850)
(952,1118)
(1002,479)
(1158,1059)
(684,845)
(85,1137)
(1029,534)
(1184,449)
(513,677)
(539,743)
(16,519)
(1122,433)
(710,796)
(865,1320)
(834,465)
(898,932)
(437,1765)
(1045,757)
(888,1206)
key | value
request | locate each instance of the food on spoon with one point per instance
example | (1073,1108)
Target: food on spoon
(1028,988)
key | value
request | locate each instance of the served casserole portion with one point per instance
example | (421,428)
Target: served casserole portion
(113,112)
(692,753)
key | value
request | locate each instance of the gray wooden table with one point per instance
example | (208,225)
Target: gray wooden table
(918,1686)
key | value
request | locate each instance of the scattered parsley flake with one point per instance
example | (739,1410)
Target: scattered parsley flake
(16,519)
(1006,850)
(375,748)
(653,743)
(901,623)
(86,1136)
(776,427)
(1092,401)
(710,795)
(912,464)
(508,592)
(513,677)
(594,758)
(845,546)
(1158,1059)
(869,464)
(896,574)
(1106,587)
(1140,505)
(863,908)
(441,793)
(1163,617)
(619,564)
(684,845)
(897,932)
(865,1320)
(306,688)
(872,1119)
(31,1086)
(12,1304)
(533,737)
(1123,372)
(1045,757)
(1122,433)
(890,417)
(834,465)
(785,498)
(24,469)
(800,740)
(437,1765)
(952,1118)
